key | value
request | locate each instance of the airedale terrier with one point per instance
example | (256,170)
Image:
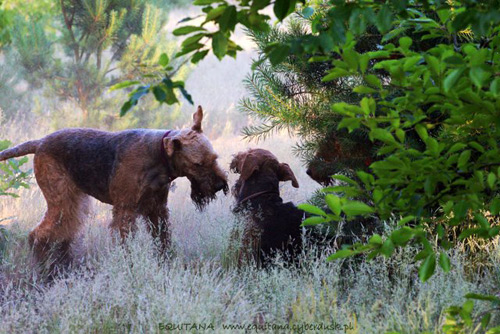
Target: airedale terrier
(131,170)
(269,224)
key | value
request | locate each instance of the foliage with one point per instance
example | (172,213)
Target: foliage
(448,91)
(4,23)
(460,318)
(163,92)
(201,40)
(11,176)
(292,96)
(85,46)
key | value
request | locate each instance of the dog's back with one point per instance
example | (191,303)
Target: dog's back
(270,224)
(280,225)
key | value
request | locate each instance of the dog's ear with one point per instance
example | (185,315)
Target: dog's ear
(235,163)
(171,145)
(197,118)
(245,164)
(285,174)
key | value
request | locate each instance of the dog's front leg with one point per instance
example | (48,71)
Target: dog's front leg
(159,227)
(123,220)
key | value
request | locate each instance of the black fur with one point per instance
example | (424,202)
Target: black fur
(279,222)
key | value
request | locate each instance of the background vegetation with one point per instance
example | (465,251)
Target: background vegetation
(405,93)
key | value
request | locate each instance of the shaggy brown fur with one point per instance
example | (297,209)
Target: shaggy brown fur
(270,224)
(330,158)
(131,170)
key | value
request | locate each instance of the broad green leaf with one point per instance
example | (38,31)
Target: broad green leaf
(401,236)
(364,90)
(186,95)
(495,206)
(405,42)
(215,13)
(463,159)
(4,144)
(387,248)
(444,262)
(282,8)
(357,22)
(335,74)
(311,209)
(495,87)
(366,178)
(228,19)
(163,60)
(382,135)
(491,298)
(192,39)
(422,131)
(373,81)
(219,44)
(479,75)
(204,2)
(456,147)
(406,220)
(383,19)
(124,84)
(189,48)
(427,267)
(432,145)
(198,56)
(333,203)
(452,78)
(340,254)
(159,93)
(259,4)
(491,180)
(311,221)
(186,30)
(354,208)
(375,239)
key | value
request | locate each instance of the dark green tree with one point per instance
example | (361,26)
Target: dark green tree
(291,95)
(94,44)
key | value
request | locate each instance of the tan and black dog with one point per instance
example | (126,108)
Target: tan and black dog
(131,170)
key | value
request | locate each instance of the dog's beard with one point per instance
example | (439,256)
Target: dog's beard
(201,198)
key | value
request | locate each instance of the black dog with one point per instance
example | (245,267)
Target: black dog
(270,225)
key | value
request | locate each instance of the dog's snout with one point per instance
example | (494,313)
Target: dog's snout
(220,185)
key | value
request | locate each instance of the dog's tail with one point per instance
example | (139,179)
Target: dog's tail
(29,147)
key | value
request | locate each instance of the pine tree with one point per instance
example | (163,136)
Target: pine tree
(292,96)
(103,41)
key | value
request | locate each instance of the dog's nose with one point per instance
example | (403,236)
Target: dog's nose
(308,171)
(220,185)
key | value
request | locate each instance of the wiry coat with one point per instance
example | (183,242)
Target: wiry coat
(131,170)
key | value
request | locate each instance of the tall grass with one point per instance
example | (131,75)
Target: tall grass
(119,288)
